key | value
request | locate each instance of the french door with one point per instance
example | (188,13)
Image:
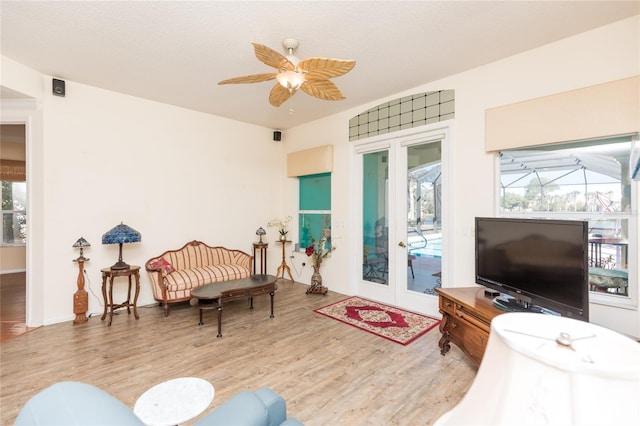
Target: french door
(401,223)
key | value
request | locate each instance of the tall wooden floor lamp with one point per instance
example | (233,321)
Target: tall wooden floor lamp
(81,297)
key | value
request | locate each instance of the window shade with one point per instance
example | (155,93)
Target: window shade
(315,192)
(606,109)
(13,170)
(310,161)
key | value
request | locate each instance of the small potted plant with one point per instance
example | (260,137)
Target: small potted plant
(282,225)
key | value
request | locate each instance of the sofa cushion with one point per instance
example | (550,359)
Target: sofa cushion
(187,279)
(162,263)
(276,406)
(75,403)
(245,409)
(291,421)
(197,254)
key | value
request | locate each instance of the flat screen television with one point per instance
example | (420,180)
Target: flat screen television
(536,264)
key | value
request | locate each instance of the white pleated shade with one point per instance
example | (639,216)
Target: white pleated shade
(591,377)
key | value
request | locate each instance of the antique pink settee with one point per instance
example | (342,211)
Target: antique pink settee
(175,273)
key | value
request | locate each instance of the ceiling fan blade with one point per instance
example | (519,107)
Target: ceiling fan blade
(279,95)
(270,57)
(323,89)
(323,68)
(317,72)
(255,78)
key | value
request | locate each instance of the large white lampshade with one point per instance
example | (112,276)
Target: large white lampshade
(548,370)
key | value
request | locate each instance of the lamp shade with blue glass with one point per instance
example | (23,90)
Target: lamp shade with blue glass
(121,234)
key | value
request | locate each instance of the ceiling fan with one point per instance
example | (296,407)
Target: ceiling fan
(311,75)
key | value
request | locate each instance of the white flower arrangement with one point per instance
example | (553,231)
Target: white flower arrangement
(281,224)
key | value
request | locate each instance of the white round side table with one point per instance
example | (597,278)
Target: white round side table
(174,401)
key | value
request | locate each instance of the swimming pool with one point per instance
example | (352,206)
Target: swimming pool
(432,249)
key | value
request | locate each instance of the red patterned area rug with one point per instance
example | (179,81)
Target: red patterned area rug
(386,321)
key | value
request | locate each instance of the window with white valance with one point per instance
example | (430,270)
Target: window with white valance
(608,109)
(573,155)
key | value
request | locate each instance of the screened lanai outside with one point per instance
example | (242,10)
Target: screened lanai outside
(586,181)
(424,226)
(424,218)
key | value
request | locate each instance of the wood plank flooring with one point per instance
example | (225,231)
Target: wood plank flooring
(13,318)
(328,372)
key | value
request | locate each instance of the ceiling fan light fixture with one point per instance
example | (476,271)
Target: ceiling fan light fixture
(290,45)
(291,80)
(312,75)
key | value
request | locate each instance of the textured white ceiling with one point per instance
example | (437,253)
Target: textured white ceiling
(175,52)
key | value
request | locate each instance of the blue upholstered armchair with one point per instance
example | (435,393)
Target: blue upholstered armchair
(263,407)
(75,403)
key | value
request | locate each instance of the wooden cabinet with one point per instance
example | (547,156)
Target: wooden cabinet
(466,320)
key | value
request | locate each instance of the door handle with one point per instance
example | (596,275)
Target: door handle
(402,244)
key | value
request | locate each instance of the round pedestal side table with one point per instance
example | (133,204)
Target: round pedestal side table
(108,276)
(261,250)
(174,401)
(283,266)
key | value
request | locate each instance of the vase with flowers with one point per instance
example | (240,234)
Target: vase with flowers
(318,251)
(282,225)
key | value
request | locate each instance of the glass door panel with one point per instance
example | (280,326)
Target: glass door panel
(375,241)
(424,217)
(401,207)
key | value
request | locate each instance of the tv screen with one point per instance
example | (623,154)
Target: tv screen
(539,263)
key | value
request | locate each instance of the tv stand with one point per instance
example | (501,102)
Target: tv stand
(508,304)
(466,320)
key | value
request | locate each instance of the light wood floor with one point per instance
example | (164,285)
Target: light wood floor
(328,372)
(13,318)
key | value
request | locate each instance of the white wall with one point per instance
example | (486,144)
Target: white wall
(605,54)
(98,158)
(173,174)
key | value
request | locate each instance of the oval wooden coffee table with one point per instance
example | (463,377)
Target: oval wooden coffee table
(213,296)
